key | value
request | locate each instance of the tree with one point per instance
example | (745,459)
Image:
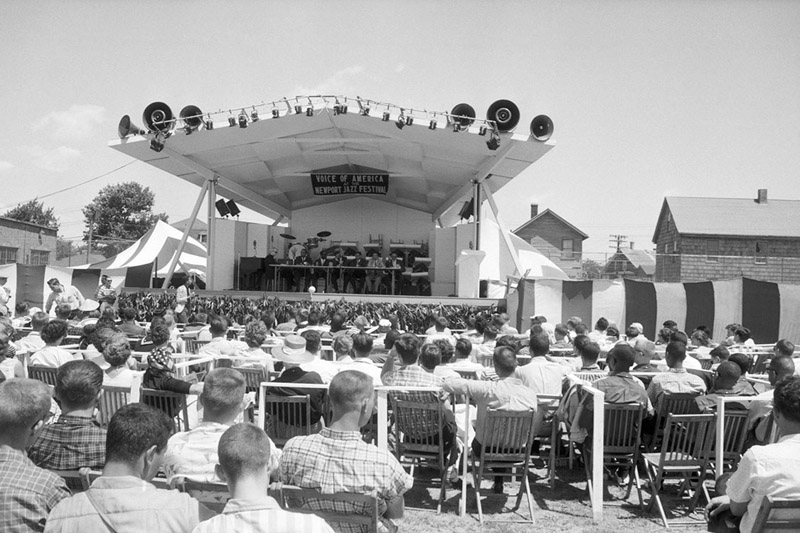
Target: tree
(119,215)
(34,212)
(592,269)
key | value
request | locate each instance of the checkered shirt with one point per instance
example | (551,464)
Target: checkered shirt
(70,443)
(339,461)
(27,493)
(415,376)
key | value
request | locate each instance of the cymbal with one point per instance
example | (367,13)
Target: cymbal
(288,237)
(323,234)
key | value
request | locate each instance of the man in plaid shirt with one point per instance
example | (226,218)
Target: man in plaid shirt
(75,440)
(337,460)
(27,492)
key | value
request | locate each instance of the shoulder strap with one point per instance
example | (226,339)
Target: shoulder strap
(103,516)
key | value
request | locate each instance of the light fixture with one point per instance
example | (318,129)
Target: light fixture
(231,121)
(336,109)
(482,130)
(209,123)
(494,142)
(222,208)
(298,109)
(456,127)
(242,119)
(343,109)
(254,115)
(432,125)
(385,116)
(400,122)
(365,111)
(233,209)
(409,120)
(275,112)
(157,142)
(309,111)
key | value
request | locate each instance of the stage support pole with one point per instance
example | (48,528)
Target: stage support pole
(212,232)
(476,212)
(185,235)
(503,230)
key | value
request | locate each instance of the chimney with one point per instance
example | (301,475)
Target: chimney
(631,244)
(535,209)
(762,196)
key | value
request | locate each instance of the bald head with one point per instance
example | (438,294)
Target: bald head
(780,367)
(728,374)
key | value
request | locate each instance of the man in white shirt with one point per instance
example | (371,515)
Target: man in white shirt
(772,470)
(759,409)
(540,374)
(325,369)
(33,342)
(62,294)
(676,379)
(362,348)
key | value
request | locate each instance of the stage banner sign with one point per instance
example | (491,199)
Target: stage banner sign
(332,184)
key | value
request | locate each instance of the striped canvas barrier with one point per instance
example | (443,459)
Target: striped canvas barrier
(29,283)
(770,310)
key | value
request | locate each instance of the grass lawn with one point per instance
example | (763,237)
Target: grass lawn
(566,508)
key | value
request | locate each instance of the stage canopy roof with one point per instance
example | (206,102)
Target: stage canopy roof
(267,166)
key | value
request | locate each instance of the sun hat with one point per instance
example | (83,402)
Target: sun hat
(89,305)
(384,323)
(293,350)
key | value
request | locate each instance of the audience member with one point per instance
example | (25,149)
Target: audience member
(439,327)
(129,325)
(743,387)
(590,352)
(599,332)
(33,341)
(362,348)
(122,499)
(325,369)
(117,355)
(27,493)
(160,373)
(219,345)
(780,367)
(676,379)
(245,456)
(718,355)
(293,354)
(10,366)
(74,440)
(291,323)
(342,347)
(255,333)
(51,355)
(193,454)
(726,376)
(772,470)
(337,460)
(561,334)
(508,393)
(645,351)
(541,375)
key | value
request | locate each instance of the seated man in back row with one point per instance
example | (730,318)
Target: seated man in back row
(337,460)
(676,379)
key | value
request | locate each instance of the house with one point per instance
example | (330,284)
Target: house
(721,238)
(555,238)
(631,263)
(199,229)
(26,243)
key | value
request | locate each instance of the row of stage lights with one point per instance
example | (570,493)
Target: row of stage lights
(502,116)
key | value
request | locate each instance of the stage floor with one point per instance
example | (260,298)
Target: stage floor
(377,298)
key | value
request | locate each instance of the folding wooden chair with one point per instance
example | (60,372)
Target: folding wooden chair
(419,436)
(45,374)
(172,403)
(468,374)
(547,432)
(253,377)
(213,495)
(777,516)
(509,438)
(622,438)
(590,377)
(685,451)
(670,404)
(110,402)
(342,511)
(735,426)
(287,417)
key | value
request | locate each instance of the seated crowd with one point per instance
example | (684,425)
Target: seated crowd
(337,366)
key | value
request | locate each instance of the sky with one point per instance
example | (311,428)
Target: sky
(648,98)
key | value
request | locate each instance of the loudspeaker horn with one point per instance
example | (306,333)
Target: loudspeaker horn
(192,118)
(126,127)
(463,115)
(504,113)
(541,128)
(158,117)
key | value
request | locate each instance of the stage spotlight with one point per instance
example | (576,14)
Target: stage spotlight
(209,123)
(385,116)
(275,112)
(432,125)
(231,121)
(400,122)
(242,119)
(482,130)
(493,143)
(298,110)
(254,115)
(309,111)
(365,111)
(157,143)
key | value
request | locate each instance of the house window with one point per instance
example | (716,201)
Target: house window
(567,253)
(761,253)
(7,255)
(40,257)
(202,238)
(712,251)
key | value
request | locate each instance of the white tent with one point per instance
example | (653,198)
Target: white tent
(159,246)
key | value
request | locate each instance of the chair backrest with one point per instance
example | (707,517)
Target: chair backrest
(776,516)
(468,374)
(547,405)
(45,374)
(111,400)
(735,426)
(253,376)
(336,509)
(194,345)
(687,440)
(509,435)
(172,403)
(590,377)
(74,479)
(214,495)
(287,417)
(623,424)
(418,426)
(672,403)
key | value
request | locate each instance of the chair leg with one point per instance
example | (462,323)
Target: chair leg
(654,484)
(635,479)
(529,495)
(477,475)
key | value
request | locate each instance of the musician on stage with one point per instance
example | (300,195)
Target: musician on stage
(374,276)
(105,294)
(396,264)
(356,277)
(301,273)
(336,261)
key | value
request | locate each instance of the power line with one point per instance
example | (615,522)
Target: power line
(74,186)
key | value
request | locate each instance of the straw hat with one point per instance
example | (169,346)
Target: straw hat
(89,305)
(293,350)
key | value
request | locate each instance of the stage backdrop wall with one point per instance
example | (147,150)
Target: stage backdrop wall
(770,310)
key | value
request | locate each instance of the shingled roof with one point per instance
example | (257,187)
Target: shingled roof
(739,217)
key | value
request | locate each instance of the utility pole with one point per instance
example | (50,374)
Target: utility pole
(616,241)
